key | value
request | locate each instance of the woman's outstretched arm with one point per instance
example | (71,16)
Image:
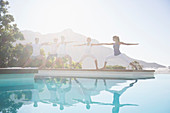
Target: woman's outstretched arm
(70,42)
(46,43)
(102,44)
(80,45)
(129,43)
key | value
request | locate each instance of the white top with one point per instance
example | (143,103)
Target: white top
(88,48)
(62,49)
(53,48)
(36,49)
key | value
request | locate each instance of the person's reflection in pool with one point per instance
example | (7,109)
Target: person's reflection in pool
(87,94)
(52,88)
(62,92)
(38,86)
(116,97)
(35,94)
(35,97)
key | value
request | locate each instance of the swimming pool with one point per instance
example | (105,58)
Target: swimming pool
(83,95)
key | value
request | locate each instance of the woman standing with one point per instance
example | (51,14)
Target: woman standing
(117,53)
(88,52)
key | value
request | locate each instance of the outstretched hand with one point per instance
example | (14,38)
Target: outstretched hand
(129,43)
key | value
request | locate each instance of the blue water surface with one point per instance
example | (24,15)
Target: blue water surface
(84,95)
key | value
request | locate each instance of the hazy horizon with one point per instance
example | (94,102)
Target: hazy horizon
(144,22)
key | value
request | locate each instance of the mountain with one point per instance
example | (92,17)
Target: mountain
(100,51)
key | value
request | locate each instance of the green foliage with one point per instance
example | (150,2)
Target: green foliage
(16,55)
(61,81)
(77,66)
(115,67)
(20,54)
(7,105)
(9,33)
(50,61)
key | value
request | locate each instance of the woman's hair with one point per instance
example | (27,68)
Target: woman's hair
(117,38)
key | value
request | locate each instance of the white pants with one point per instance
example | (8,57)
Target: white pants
(86,56)
(121,56)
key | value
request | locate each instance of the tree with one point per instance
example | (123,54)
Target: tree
(9,33)
(7,105)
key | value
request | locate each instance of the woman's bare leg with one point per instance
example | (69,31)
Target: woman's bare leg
(104,67)
(96,64)
(112,56)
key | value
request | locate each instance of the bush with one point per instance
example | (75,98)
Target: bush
(115,67)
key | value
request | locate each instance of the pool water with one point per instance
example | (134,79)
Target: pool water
(84,95)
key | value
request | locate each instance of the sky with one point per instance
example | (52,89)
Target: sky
(146,22)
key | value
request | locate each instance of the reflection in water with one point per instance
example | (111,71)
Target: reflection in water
(86,93)
(116,97)
(52,88)
(62,92)
(38,87)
